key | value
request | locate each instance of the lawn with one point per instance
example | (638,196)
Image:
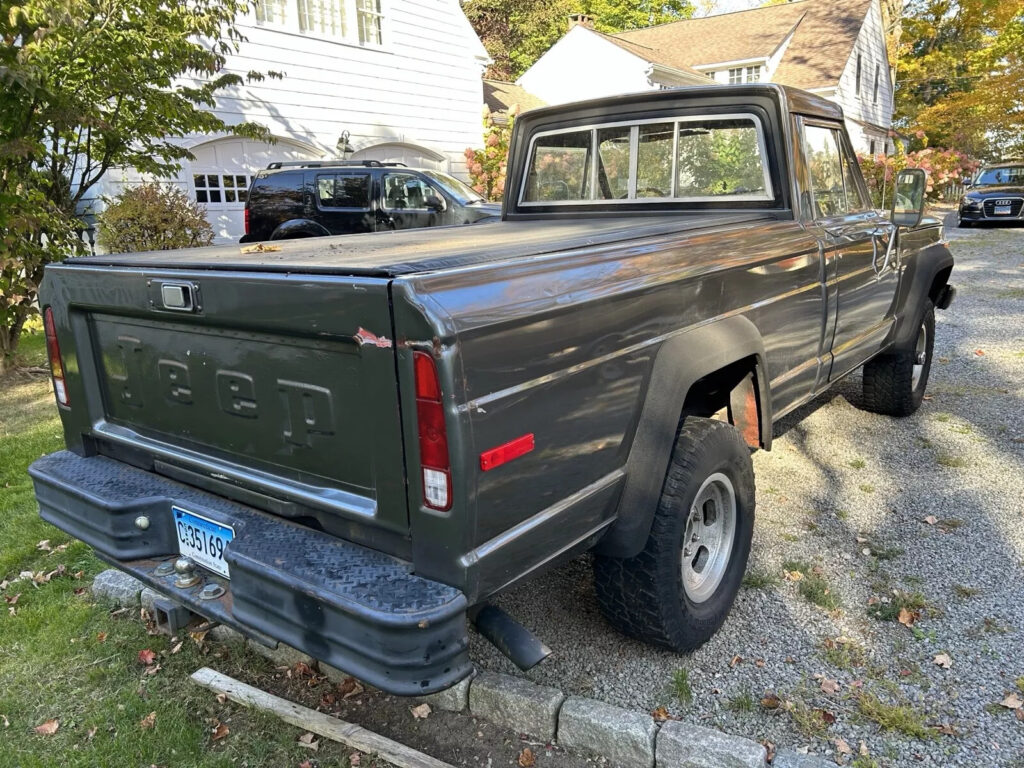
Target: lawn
(69,657)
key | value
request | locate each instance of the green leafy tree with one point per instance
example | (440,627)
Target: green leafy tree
(153,217)
(88,85)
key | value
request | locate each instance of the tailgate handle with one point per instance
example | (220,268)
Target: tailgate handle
(179,297)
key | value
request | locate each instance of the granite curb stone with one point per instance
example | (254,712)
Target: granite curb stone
(118,586)
(624,737)
(516,704)
(789,758)
(682,745)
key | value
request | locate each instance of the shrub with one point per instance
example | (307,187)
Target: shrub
(152,217)
(946,169)
(487,166)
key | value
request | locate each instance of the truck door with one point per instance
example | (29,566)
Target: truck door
(856,239)
(404,197)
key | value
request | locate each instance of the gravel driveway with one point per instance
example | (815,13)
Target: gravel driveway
(869,514)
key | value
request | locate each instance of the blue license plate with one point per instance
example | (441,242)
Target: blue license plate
(202,539)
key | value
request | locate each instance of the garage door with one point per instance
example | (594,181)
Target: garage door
(410,154)
(222,171)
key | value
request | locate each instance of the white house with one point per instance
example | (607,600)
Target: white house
(835,48)
(399,79)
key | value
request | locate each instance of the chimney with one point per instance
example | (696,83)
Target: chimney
(581,19)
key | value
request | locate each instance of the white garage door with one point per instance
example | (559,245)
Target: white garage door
(410,154)
(222,171)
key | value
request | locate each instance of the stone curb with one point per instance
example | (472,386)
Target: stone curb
(625,738)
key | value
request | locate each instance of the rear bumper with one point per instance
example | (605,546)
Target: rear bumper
(352,607)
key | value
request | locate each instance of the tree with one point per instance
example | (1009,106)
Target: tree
(89,85)
(518,32)
(487,165)
(153,217)
(961,74)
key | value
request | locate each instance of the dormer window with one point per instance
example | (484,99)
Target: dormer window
(354,21)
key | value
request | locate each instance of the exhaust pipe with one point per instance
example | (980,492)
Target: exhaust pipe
(510,637)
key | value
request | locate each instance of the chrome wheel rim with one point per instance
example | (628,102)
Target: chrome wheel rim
(920,356)
(708,538)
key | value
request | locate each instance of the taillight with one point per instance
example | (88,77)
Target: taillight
(60,388)
(246,218)
(434,462)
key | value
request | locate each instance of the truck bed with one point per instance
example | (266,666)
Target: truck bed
(391,254)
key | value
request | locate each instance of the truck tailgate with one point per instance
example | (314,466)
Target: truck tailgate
(279,386)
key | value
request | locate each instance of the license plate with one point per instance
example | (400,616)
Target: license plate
(203,540)
(1002,210)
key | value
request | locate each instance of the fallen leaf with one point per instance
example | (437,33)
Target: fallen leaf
(199,637)
(307,764)
(148,721)
(946,729)
(842,747)
(872,600)
(1011,701)
(260,248)
(826,717)
(12,599)
(152,670)
(80,591)
(7,723)
(78,574)
(907,617)
(302,669)
(349,687)
(48,728)
(793,575)
(308,740)
(101,637)
(354,759)
(526,758)
(769,748)
(931,519)
(1020,715)
(421,712)
(146,657)
(44,545)
(220,731)
(979,352)
(661,714)
(735,660)
(829,686)
(771,701)
(759,663)
(177,647)
(943,660)
(863,750)
(221,698)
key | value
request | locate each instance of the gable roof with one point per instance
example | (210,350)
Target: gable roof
(500,97)
(653,54)
(823,36)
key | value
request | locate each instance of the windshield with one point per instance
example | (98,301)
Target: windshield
(705,159)
(462,192)
(1012,174)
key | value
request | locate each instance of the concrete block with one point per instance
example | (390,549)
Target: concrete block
(454,699)
(224,634)
(516,704)
(148,597)
(789,758)
(624,737)
(682,745)
(282,656)
(118,587)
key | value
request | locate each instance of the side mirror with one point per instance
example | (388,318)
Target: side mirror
(908,202)
(967,183)
(434,202)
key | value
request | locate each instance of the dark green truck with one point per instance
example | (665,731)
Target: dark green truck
(350,444)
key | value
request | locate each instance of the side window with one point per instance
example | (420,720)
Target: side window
(350,190)
(559,168)
(824,162)
(403,191)
(854,198)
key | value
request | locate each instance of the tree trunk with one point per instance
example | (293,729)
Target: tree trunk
(9,338)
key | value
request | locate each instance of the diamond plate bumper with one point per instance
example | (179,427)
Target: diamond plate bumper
(354,608)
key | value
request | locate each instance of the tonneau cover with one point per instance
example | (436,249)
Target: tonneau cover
(390,254)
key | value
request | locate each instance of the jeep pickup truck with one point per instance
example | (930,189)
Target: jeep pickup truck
(350,444)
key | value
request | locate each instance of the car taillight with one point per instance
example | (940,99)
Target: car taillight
(60,388)
(433,435)
(246,216)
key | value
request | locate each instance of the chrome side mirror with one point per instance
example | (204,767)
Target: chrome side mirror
(908,202)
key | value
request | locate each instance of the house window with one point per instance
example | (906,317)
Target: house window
(753,74)
(324,17)
(877,70)
(270,11)
(735,76)
(219,188)
(370,20)
(872,146)
(856,87)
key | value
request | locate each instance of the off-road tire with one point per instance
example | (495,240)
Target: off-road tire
(643,596)
(889,386)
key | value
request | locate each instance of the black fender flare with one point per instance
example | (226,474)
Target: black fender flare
(298,228)
(918,285)
(682,360)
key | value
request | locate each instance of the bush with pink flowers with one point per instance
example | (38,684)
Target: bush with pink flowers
(946,169)
(487,166)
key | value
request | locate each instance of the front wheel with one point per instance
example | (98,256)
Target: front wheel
(678,591)
(895,382)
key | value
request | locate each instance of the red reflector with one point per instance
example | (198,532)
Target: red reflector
(53,353)
(505,453)
(433,435)
(246,217)
(427,386)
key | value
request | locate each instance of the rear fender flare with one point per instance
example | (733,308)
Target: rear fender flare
(681,361)
(919,279)
(299,228)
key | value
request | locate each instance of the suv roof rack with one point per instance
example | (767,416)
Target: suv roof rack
(334,164)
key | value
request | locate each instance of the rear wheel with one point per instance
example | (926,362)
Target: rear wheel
(894,383)
(678,591)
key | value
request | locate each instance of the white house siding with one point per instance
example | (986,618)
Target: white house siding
(417,98)
(583,65)
(862,107)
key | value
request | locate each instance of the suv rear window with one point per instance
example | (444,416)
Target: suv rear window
(343,190)
(718,158)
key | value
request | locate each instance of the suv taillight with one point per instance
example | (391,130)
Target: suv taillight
(433,435)
(60,388)
(246,216)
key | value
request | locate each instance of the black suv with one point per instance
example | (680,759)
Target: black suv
(312,199)
(996,194)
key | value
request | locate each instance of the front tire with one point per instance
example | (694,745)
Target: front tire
(894,383)
(678,591)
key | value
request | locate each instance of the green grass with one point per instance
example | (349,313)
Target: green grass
(867,487)
(901,717)
(964,592)
(56,663)
(845,654)
(742,702)
(758,579)
(890,611)
(949,460)
(858,464)
(813,586)
(681,687)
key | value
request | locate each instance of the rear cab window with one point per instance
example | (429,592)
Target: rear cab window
(700,159)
